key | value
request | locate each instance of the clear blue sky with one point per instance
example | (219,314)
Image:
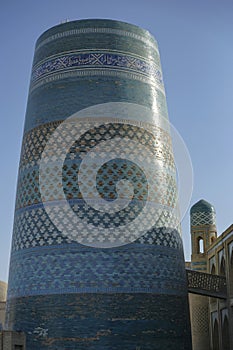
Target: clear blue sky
(195,40)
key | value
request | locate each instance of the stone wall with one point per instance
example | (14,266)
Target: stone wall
(12,340)
(3,293)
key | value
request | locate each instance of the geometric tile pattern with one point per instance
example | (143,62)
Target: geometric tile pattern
(203,218)
(163,236)
(39,230)
(33,228)
(35,140)
(206,284)
(82,269)
(34,143)
(200,319)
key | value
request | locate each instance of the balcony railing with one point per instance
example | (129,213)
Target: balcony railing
(206,284)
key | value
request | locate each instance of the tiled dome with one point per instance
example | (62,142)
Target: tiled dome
(202,206)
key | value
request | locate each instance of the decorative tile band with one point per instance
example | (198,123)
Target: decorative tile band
(33,228)
(158,139)
(148,42)
(28,191)
(91,72)
(72,268)
(161,200)
(80,60)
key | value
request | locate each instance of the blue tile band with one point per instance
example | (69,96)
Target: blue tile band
(74,268)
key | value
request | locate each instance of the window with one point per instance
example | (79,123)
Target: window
(18,347)
(200,245)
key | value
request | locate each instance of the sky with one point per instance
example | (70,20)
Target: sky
(195,42)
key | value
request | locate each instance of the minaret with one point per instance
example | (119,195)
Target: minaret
(203,234)
(97,259)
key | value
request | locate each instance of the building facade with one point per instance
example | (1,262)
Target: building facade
(220,262)
(211,317)
(3,293)
(79,277)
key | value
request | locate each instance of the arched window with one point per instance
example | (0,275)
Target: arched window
(222,270)
(212,239)
(215,336)
(200,245)
(225,335)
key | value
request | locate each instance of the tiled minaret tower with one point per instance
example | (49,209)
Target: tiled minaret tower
(80,276)
(203,234)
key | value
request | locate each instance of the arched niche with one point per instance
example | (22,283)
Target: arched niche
(215,336)
(222,267)
(225,334)
(213,270)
